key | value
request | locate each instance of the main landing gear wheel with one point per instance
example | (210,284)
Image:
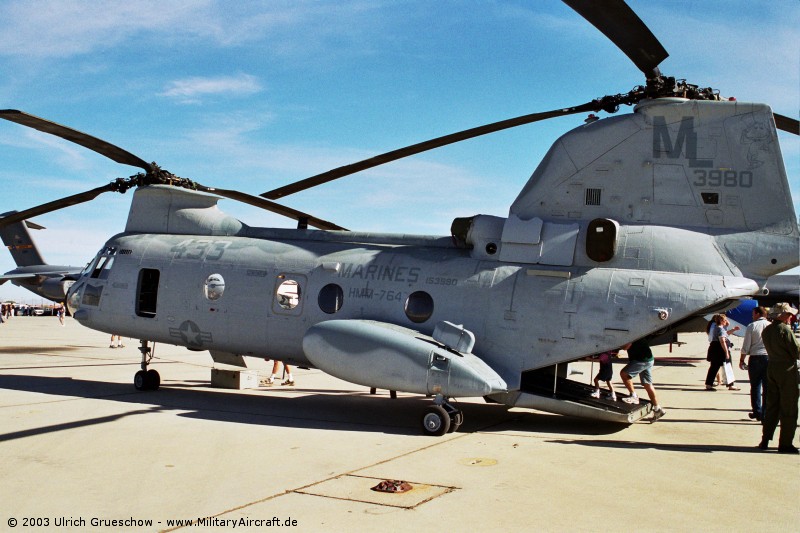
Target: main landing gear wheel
(441,417)
(456,419)
(436,421)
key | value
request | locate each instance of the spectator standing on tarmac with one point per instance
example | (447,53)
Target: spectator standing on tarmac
(640,362)
(719,350)
(119,342)
(289,381)
(782,380)
(753,346)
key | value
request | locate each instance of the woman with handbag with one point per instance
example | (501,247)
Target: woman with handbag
(719,351)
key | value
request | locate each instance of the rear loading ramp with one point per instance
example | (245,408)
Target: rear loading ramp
(542,391)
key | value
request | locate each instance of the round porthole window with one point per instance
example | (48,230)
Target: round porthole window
(214,287)
(419,306)
(288,294)
(330,298)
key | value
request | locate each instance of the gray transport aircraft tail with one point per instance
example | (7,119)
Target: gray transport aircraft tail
(19,242)
(32,272)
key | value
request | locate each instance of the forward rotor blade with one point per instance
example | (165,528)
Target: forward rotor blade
(55,205)
(787,124)
(115,153)
(414,149)
(625,29)
(302,218)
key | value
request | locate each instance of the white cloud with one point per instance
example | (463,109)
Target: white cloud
(63,29)
(190,90)
(58,29)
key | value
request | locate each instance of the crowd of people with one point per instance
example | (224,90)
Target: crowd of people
(770,353)
(10,310)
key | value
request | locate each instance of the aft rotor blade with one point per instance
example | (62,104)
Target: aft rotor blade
(414,149)
(788,124)
(55,205)
(257,201)
(625,29)
(115,153)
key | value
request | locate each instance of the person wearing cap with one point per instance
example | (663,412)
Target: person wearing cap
(753,347)
(782,380)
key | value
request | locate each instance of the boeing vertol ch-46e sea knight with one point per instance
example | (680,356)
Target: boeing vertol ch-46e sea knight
(630,226)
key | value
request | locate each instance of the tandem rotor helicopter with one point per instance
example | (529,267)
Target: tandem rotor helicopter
(643,221)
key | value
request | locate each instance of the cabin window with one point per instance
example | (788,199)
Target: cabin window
(288,295)
(330,298)
(147,292)
(213,287)
(419,306)
(601,239)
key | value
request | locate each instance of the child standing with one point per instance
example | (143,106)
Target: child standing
(606,373)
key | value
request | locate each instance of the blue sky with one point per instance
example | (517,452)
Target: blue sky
(254,95)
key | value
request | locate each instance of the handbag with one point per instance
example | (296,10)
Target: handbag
(727,373)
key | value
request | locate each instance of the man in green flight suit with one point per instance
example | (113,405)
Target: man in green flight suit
(782,379)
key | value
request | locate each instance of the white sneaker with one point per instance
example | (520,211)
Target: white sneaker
(612,397)
(596,393)
(657,413)
(632,399)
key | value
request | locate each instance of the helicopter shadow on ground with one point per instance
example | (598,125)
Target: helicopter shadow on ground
(664,447)
(539,423)
(37,350)
(341,410)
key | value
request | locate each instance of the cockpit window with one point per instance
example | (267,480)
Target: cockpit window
(102,265)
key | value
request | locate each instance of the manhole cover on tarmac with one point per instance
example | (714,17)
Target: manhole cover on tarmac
(359,489)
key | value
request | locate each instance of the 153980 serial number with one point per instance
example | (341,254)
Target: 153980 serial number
(441,281)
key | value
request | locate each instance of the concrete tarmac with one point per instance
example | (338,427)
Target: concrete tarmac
(80,448)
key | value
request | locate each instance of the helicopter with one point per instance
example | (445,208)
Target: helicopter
(642,221)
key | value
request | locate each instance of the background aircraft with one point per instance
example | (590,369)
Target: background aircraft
(781,287)
(32,272)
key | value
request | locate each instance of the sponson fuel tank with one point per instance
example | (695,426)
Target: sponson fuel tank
(376,354)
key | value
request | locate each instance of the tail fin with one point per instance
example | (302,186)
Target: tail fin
(19,242)
(713,167)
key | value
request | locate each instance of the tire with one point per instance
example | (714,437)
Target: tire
(140,380)
(456,419)
(153,379)
(435,421)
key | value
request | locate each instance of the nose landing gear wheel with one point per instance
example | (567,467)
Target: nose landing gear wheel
(436,421)
(153,379)
(146,379)
(139,380)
